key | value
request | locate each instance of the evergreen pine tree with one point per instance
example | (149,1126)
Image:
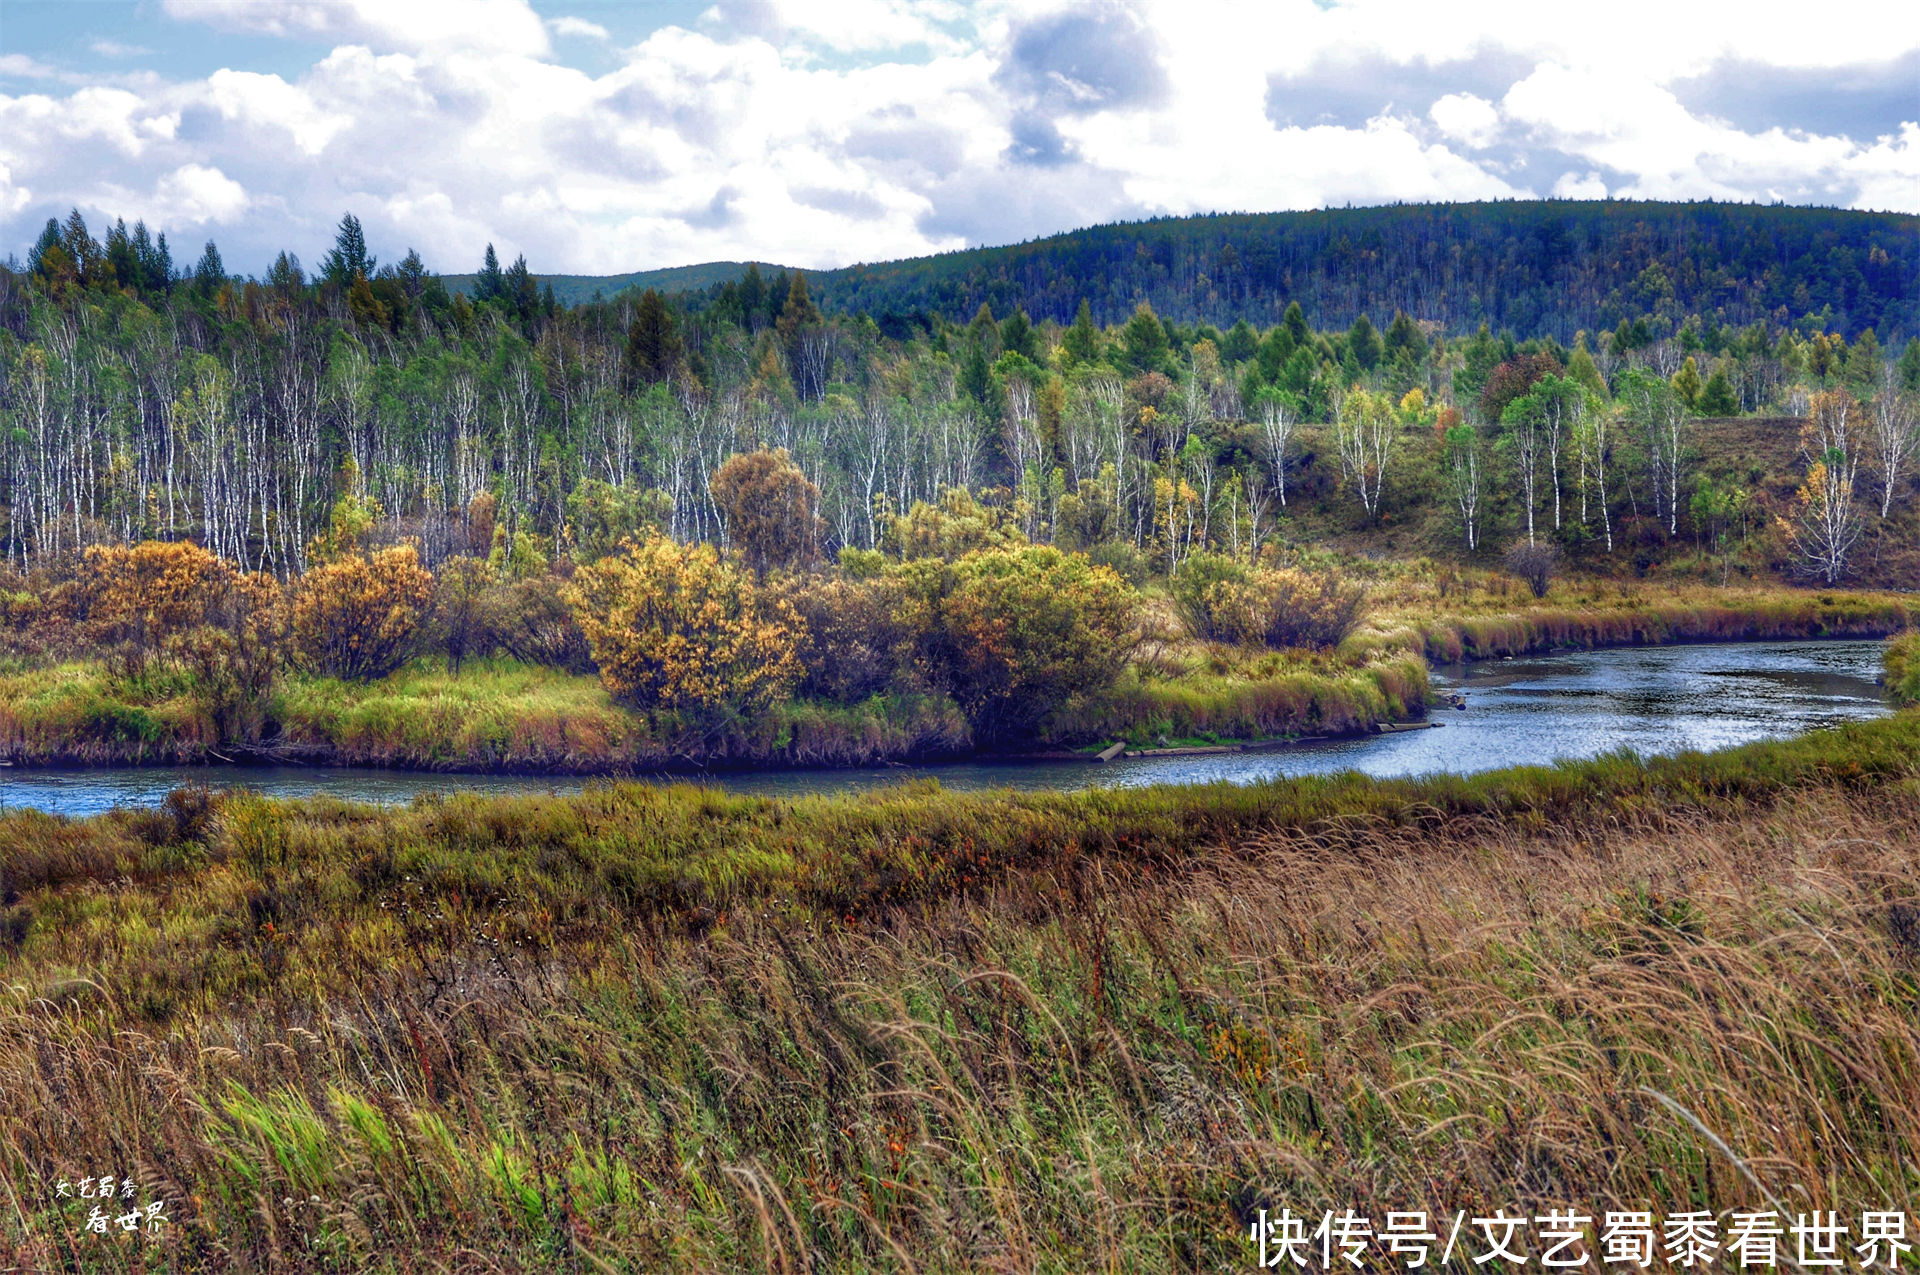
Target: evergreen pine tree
(285,276)
(489,284)
(521,293)
(210,272)
(1295,322)
(753,298)
(653,343)
(348,256)
(49,260)
(1910,365)
(1081,344)
(122,265)
(1717,397)
(1364,343)
(1405,336)
(160,268)
(88,260)
(412,274)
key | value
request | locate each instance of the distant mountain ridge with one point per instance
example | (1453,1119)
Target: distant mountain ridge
(1532,267)
(577,289)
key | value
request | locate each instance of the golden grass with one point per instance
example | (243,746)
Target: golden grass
(1073,1032)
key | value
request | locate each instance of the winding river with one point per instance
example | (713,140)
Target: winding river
(1650,700)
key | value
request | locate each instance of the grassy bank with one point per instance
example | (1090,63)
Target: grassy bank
(1583,614)
(918,1029)
(503,715)
(1903,668)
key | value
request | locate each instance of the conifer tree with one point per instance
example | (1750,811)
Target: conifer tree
(348,256)
(210,272)
(653,343)
(489,284)
(1082,341)
(1363,342)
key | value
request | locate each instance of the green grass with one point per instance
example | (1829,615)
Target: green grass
(496,712)
(1903,668)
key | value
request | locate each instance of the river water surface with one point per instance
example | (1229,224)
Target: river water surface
(1650,700)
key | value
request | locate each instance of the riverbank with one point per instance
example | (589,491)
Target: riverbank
(1903,669)
(1588,615)
(670,1027)
(501,716)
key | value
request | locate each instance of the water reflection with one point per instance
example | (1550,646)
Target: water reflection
(1654,700)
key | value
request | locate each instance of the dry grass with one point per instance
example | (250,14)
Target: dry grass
(1080,1051)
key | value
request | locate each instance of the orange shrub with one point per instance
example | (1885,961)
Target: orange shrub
(355,617)
(139,594)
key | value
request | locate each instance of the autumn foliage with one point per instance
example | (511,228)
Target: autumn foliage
(175,602)
(769,506)
(355,618)
(676,628)
(141,594)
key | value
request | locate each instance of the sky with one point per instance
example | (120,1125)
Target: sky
(601,138)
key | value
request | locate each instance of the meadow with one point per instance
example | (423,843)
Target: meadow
(648,1027)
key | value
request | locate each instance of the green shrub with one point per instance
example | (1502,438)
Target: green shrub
(1013,635)
(1219,600)
(530,620)
(1122,559)
(1209,611)
(851,638)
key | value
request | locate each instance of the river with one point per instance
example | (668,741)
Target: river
(1651,700)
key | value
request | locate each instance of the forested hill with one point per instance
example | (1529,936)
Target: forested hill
(578,289)
(1529,267)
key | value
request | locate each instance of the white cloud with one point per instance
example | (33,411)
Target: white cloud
(1462,117)
(504,26)
(115,49)
(196,194)
(19,64)
(579,27)
(1585,186)
(821,134)
(259,102)
(12,198)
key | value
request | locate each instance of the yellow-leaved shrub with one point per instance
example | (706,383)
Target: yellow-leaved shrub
(677,628)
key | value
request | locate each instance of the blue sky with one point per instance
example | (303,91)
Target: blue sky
(601,137)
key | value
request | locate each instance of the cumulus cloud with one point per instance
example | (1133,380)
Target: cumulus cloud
(507,26)
(1462,117)
(822,134)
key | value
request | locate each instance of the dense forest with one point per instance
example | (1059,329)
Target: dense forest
(146,401)
(1536,268)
